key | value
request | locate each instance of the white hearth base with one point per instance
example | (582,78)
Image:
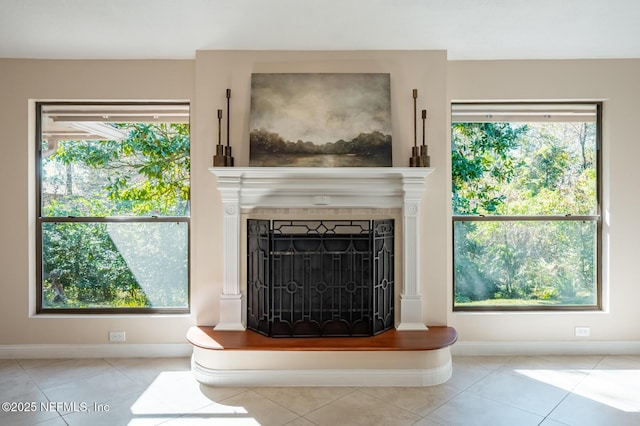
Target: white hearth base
(391,358)
(327,368)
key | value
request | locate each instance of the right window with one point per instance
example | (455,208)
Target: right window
(526,206)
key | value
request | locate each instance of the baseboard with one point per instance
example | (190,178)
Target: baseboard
(114,350)
(326,377)
(460,348)
(471,348)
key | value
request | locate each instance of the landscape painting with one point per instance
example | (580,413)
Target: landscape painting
(320,120)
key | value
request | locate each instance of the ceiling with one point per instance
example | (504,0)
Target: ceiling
(176,29)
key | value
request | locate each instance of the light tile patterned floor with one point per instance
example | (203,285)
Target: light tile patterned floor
(540,390)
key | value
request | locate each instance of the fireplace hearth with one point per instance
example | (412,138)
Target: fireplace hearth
(232,355)
(310,278)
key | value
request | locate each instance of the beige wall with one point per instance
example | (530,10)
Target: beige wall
(204,81)
(615,82)
(21,82)
(217,71)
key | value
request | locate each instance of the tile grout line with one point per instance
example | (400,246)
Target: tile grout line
(317,408)
(353,390)
(460,391)
(41,390)
(570,392)
(554,408)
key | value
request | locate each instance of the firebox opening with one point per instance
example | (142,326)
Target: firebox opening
(330,278)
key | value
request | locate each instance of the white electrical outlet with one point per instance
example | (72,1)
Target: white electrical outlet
(117,336)
(583,331)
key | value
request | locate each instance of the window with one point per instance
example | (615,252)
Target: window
(112,207)
(526,206)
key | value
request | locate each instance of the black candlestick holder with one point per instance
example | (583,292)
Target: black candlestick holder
(223,157)
(219,159)
(425,160)
(419,157)
(414,160)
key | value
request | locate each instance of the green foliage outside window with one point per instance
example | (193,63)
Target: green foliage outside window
(524,172)
(107,264)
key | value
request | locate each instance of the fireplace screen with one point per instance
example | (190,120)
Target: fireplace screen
(320,277)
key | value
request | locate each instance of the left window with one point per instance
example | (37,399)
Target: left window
(113,207)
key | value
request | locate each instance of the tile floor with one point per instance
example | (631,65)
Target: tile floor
(541,390)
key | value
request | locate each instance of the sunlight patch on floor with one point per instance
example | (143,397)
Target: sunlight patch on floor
(176,393)
(619,389)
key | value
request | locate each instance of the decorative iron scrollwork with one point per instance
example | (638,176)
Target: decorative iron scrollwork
(320,277)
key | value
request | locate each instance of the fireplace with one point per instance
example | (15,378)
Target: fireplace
(246,190)
(309,278)
(229,354)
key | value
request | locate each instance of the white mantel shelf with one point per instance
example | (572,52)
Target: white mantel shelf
(314,187)
(304,187)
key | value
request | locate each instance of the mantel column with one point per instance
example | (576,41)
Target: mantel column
(411,317)
(231,298)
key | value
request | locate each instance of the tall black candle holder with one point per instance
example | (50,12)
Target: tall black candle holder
(223,157)
(425,160)
(228,158)
(419,157)
(414,160)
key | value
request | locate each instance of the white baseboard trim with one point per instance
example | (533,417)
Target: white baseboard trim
(334,377)
(460,348)
(471,348)
(114,350)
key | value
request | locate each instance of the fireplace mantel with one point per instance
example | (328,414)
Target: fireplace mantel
(243,188)
(355,187)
